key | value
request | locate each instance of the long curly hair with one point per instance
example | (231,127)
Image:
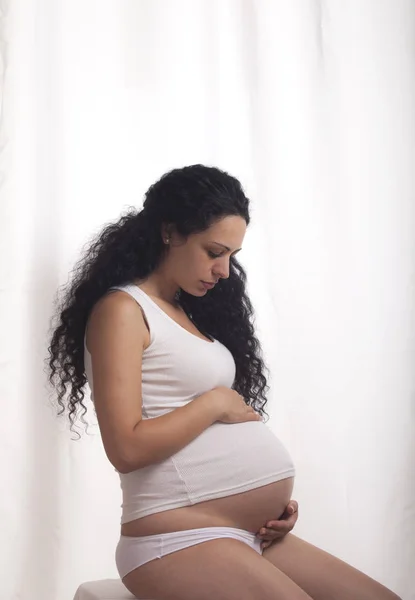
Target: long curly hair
(192,198)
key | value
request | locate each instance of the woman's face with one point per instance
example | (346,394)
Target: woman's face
(204,257)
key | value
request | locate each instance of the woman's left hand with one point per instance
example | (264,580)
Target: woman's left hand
(276,530)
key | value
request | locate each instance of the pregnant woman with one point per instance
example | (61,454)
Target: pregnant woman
(158,322)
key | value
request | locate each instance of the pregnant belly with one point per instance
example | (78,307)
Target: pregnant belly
(248,510)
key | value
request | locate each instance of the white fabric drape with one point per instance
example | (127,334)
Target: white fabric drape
(312,105)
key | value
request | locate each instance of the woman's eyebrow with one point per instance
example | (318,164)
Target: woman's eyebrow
(223,246)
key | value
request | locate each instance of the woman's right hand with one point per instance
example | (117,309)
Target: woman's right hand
(232,408)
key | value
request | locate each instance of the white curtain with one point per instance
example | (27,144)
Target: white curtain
(312,105)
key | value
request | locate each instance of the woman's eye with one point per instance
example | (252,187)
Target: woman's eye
(213,255)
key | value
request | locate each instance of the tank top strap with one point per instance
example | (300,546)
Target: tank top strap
(134,291)
(153,315)
(161,325)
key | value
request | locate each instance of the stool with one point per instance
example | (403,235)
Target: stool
(104,589)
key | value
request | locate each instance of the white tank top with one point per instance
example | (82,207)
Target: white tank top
(223,460)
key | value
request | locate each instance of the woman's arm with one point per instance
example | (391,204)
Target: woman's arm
(156,439)
(116,335)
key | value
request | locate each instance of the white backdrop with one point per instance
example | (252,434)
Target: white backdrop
(312,105)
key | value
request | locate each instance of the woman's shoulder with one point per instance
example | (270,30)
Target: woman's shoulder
(115,311)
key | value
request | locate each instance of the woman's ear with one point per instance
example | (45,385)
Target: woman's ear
(165,231)
(168,232)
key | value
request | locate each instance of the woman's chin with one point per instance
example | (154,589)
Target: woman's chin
(197,290)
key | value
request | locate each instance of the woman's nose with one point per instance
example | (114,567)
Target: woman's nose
(222,271)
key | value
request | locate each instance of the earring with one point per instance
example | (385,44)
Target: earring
(167,240)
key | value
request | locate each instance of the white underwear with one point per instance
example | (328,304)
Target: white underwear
(132,552)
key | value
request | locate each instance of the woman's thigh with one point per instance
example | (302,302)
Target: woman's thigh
(219,569)
(321,575)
